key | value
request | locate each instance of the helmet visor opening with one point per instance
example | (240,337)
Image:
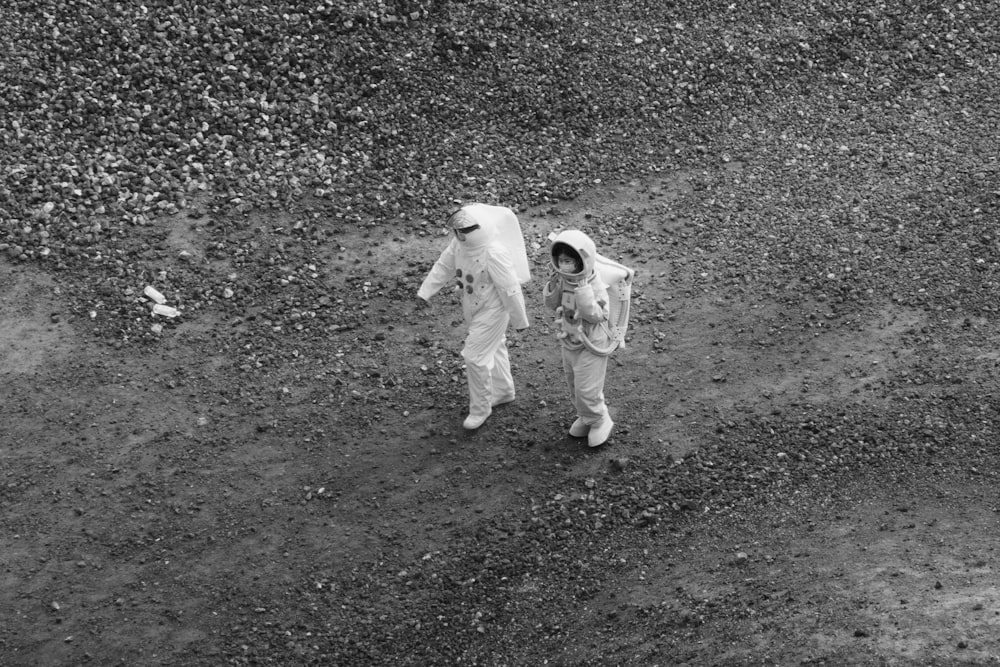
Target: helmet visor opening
(566,260)
(460,233)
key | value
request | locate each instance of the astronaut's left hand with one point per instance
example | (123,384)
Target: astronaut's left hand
(514,339)
(585,296)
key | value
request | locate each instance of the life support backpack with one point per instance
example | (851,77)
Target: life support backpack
(618,279)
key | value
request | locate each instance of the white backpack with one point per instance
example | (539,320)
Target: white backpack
(618,278)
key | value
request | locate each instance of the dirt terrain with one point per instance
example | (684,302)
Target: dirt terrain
(187,503)
(804,463)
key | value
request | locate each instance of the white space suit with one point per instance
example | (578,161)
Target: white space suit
(483,268)
(580,299)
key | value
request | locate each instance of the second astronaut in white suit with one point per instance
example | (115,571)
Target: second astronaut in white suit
(580,299)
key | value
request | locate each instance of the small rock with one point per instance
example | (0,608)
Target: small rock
(618,464)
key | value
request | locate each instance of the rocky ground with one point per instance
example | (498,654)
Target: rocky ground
(804,465)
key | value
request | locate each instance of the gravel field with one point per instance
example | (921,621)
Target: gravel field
(268,467)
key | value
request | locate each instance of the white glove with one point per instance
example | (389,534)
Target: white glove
(585,298)
(551,286)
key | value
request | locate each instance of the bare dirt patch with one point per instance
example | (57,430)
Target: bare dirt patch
(188,502)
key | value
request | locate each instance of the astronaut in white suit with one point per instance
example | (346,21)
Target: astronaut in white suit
(484,270)
(580,298)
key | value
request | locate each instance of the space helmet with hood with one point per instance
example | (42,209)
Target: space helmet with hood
(473,231)
(579,245)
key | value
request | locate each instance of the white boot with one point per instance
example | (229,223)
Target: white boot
(600,432)
(480,391)
(472,422)
(579,428)
(503,400)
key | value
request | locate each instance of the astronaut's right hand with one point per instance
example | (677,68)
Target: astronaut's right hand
(552,285)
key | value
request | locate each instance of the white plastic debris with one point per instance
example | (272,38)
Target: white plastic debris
(166,311)
(154,294)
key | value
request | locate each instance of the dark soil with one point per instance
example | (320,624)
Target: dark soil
(804,464)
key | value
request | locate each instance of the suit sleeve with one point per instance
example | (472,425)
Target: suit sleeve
(441,274)
(594,310)
(552,293)
(501,270)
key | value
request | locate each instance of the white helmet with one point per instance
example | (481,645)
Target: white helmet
(577,244)
(470,229)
